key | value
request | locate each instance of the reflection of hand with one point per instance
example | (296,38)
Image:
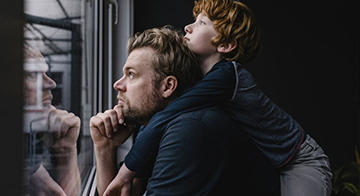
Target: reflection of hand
(105,128)
(63,130)
(41,183)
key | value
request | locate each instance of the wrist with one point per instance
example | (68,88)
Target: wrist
(105,153)
(104,147)
(125,173)
(63,150)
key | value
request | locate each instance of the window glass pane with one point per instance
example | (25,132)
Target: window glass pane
(57,147)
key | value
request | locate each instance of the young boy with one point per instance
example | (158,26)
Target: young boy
(223,37)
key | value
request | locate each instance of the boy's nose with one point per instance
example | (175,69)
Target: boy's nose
(187,28)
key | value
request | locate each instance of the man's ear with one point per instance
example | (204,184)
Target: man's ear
(227,47)
(169,86)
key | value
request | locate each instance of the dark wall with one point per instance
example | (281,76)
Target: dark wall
(157,13)
(307,65)
(11,99)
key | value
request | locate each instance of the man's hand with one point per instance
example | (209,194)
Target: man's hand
(121,185)
(108,130)
(61,136)
(41,183)
(63,130)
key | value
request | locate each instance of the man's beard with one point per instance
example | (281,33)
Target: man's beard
(141,113)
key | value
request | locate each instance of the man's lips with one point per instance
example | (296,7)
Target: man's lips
(121,101)
(47,100)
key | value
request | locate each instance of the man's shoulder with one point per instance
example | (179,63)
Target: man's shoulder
(211,118)
(203,115)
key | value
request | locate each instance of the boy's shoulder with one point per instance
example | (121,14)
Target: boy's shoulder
(244,78)
(223,64)
(227,63)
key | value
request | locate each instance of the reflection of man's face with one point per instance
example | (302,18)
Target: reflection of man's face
(31,86)
(138,96)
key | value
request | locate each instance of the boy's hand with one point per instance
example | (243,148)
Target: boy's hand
(121,185)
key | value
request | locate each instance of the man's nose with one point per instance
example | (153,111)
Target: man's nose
(119,85)
(48,83)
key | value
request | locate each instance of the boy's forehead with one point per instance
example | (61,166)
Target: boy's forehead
(203,15)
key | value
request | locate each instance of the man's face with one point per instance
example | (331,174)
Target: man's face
(31,84)
(138,96)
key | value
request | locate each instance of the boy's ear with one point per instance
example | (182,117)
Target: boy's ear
(169,86)
(227,47)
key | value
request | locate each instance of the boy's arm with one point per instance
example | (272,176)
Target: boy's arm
(216,87)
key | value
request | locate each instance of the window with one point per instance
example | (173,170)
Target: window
(54,72)
(69,67)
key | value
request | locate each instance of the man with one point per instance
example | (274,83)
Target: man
(57,129)
(201,152)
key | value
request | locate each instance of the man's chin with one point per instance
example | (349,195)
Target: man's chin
(48,106)
(133,121)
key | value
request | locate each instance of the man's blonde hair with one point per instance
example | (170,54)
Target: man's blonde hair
(234,21)
(173,55)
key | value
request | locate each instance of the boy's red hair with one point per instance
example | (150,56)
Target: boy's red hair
(234,21)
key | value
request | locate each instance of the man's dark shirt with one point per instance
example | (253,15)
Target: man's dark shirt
(205,153)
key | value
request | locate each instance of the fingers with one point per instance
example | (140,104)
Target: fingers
(97,124)
(106,123)
(112,115)
(61,121)
(119,114)
(118,187)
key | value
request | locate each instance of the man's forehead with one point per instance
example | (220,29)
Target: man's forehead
(140,58)
(36,64)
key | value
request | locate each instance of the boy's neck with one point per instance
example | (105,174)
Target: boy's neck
(207,63)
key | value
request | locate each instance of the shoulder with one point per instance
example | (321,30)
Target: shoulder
(224,65)
(209,121)
(209,117)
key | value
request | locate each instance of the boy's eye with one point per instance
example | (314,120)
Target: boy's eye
(202,22)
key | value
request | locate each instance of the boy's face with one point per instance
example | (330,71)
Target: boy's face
(198,36)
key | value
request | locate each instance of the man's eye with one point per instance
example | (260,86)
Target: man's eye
(31,76)
(131,75)
(202,22)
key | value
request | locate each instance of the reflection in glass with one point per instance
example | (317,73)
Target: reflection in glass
(57,150)
(50,134)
